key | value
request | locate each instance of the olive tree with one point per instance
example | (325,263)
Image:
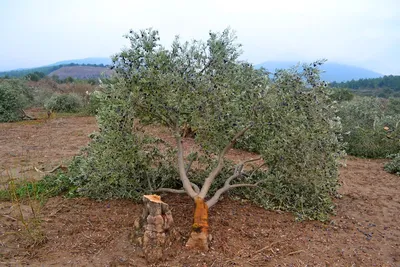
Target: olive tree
(204,86)
(15,95)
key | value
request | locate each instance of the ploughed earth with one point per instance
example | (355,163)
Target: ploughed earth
(81,232)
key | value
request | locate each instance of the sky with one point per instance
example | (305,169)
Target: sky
(364,33)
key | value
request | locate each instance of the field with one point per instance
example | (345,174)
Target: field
(81,72)
(82,232)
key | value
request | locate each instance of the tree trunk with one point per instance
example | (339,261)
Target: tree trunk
(156,221)
(199,236)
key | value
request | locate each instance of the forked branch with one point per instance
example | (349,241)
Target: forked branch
(211,177)
(227,185)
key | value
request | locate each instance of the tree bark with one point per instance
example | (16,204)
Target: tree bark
(199,235)
(156,220)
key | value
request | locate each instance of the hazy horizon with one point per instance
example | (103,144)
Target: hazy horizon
(357,33)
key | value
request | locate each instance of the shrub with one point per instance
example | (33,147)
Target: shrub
(393,166)
(14,96)
(94,102)
(341,94)
(64,103)
(118,163)
(364,120)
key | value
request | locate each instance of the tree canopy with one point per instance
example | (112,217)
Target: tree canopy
(204,86)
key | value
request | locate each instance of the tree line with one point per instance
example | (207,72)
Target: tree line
(390,81)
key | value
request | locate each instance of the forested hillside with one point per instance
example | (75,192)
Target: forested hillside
(386,86)
(390,81)
(45,69)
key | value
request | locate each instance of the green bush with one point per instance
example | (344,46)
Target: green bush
(118,163)
(48,186)
(15,95)
(94,103)
(393,166)
(64,103)
(364,120)
(341,94)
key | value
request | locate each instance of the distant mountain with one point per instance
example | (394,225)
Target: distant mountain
(18,73)
(81,72)
(89,60)
(100,62)
(331,71)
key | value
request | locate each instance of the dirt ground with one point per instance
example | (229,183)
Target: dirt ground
(81,232)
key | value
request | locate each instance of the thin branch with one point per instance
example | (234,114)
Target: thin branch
(26,115)
(251,160)
(226,188)
(189,165)
(166,120)
(256,169)
(62,167)
(206,66)
(241,165)
(169,190)
(210,179)
(149,184)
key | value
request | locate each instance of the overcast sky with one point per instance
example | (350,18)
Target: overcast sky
(363,33)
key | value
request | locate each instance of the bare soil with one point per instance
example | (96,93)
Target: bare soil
(82,232)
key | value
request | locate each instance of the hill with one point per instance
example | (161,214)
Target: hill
(47,70)
(332,71)
(23,72)
(81,72)
(386,86)
(90,60)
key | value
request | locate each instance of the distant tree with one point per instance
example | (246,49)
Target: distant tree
(14,96)
(56,78)
(386,82)
(69,80)
(341,94)
(35,76)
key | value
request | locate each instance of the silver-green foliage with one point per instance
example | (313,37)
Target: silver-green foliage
(364,120)
(14,96)
(118,162)
(393,166)
(205,86)
(64,103)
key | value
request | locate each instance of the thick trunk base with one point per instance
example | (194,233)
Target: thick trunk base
(199,235)
(155,222)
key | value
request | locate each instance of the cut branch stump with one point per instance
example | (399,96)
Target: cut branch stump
(155,223)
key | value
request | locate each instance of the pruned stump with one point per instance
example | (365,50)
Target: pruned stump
(155,223)
(199,236)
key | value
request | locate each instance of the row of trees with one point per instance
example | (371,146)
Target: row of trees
(391,82)
(16,95)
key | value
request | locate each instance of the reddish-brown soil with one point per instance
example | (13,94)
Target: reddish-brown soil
(81,232)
